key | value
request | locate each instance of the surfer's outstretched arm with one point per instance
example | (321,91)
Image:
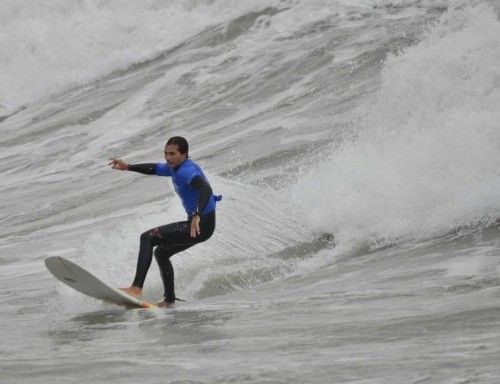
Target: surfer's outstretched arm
(146,169)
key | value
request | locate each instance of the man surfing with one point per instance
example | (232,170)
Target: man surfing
(199,203)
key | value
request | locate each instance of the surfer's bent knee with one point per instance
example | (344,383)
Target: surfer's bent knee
(151,235)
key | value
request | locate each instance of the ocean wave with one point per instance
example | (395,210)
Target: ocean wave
(50,47)
(426,159)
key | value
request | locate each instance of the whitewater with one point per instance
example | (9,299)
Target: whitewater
(357,147)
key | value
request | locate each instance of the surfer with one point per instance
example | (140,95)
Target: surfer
(199,202)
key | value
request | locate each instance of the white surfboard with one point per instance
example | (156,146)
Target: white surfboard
(85,282)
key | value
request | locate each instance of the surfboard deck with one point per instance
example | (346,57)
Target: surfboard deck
(85,282)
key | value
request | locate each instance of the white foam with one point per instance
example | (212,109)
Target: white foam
(48,47)
(427,158)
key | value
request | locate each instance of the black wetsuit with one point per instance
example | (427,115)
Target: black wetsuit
(172,238)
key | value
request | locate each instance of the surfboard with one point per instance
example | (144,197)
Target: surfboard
(85,282)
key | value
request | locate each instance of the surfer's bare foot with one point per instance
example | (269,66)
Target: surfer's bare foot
(133,291)
(165,304)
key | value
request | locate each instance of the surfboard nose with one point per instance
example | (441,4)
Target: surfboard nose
(85,282)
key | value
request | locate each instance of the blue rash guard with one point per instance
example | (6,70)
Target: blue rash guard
(182,177)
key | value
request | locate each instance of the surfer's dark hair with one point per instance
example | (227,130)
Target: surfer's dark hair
(181,143)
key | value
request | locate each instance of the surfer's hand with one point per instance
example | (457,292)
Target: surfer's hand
(195,226)
(118,164)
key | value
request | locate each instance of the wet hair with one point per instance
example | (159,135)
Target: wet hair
(181,143)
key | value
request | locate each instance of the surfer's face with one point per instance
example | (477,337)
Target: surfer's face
(173,157)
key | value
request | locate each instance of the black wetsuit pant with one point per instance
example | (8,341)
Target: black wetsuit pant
(169,239)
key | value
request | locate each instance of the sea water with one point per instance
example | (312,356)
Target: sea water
(357,147)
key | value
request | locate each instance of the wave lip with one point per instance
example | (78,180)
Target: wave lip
(426,158)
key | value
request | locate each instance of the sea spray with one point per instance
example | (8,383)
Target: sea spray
(427,154)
